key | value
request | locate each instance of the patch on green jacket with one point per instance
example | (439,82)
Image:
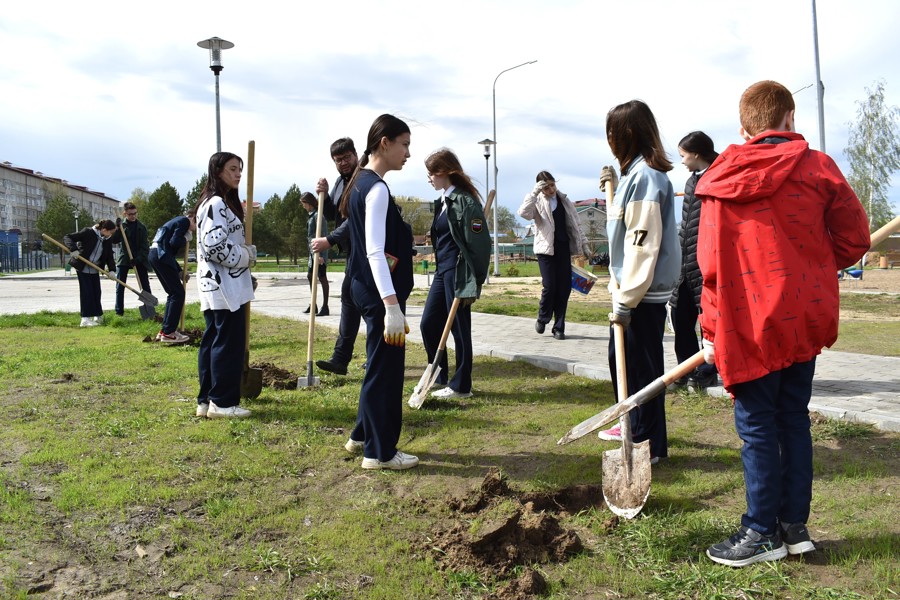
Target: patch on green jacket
(477,225)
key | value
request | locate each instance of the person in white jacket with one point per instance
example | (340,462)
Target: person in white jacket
(557,236)
(223,280)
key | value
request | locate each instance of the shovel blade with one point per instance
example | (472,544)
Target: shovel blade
(420,392)
(147,312)
(148,299)
(626,490)
(251,383)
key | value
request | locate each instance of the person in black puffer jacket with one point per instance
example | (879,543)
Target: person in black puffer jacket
(697,154)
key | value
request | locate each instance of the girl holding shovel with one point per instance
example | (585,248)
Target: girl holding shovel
(225,286)
(380,263)
(645,261)
(94,244)
(462,249)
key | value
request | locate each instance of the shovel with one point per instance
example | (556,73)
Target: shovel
(251,379)
(310,380)
(626,471)
(637,399)
(420,392)
(147,312)
(146,297)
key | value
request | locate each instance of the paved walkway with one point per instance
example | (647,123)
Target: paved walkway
(855,387)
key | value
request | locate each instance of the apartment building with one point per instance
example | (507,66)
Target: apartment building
(24,194)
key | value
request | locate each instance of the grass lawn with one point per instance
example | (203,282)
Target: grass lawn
(111,488)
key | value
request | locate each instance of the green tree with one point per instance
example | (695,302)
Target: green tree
(873,150)
(163,204)
(506,222)
(192,196)
(264,236)
(58,218)
(417,212)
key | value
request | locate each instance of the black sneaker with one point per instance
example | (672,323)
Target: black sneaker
(701,382)
(747,547)
(681,382)
(539,327)
(332,367)
(796,538)
(323,312)
(306,312)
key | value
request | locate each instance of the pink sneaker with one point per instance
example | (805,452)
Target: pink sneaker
(613,434)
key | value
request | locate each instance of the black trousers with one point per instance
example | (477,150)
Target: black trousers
(89,294)
(122,275)
(556,279)
(684,320)
(322,276)
(348,327)
(644,363)
(379,418)
(220,360)
(170,278)
(434,318)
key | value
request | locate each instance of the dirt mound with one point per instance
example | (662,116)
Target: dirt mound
(275,377)
(514,532)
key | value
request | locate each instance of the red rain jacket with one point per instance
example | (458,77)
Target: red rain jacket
(778,221)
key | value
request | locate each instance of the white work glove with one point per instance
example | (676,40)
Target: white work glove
(74,254)
(709,352)
(188,236)
(111,276)
(608,174)
(251,251)
(395,325)
(538,187)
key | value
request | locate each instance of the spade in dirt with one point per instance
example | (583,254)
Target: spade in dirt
(251,379)
(147,312)
(147,298)
(626,470)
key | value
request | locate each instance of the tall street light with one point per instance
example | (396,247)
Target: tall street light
(496,191)
(487,143)
(215,46)
(820,87)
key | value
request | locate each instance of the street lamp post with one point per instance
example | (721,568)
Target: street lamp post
(487,143)
(215,46)
(75,213)
(496,190)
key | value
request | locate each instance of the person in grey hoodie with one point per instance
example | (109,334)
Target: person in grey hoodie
(645,261)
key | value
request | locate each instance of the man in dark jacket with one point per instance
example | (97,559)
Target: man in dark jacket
(139,244)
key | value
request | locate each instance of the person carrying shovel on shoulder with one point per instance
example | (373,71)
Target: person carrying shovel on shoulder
(171,240)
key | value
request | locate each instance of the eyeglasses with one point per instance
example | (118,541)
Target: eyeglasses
(132,213)
(343,158)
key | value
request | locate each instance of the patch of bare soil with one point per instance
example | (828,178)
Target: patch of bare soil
(275,377)
(517,531)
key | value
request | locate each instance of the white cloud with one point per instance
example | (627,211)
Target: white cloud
(115,96)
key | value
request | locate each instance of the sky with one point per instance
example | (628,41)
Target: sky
(117,96)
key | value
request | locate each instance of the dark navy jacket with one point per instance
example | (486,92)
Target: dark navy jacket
(169,240)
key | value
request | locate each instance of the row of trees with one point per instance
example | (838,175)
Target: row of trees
(279,229)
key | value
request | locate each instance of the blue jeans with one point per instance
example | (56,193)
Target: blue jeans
(170,278)
(771,416)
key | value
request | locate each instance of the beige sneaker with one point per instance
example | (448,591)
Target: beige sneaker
(232,412)
(354,447)
(400,462)
(202,409)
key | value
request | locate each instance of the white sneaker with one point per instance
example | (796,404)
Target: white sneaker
(86,322)
(202,409)
(175,337)
(398,463)
(354,447)
(97,320)
(232,412)
(449,392)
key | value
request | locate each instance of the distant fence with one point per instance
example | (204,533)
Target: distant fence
(33,261)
